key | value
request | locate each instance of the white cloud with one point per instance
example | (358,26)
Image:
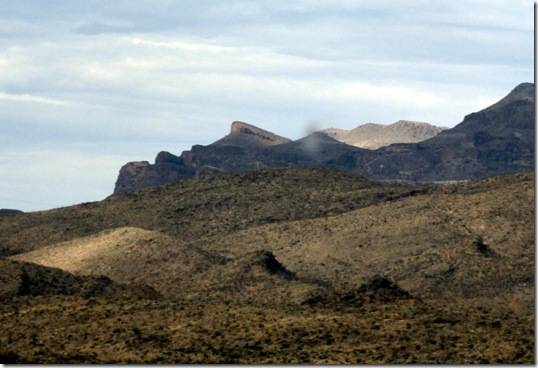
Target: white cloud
(30,98)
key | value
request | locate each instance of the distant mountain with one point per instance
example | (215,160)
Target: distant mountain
(497,140)
(494,141)
(373,136)
(246,135)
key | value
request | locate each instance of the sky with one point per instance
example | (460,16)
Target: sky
(89,85)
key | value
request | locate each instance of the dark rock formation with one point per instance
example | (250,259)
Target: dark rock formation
(497,140)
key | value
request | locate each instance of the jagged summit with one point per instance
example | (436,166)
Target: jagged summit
(247,135)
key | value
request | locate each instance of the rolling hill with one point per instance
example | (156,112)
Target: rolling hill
(276,266)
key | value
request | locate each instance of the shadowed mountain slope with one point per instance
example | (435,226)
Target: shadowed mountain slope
(493,141)
(29,279)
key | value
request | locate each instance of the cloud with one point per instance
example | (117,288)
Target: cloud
(128,79)
(30,98)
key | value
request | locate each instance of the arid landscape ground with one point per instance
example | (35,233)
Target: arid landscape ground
(281,266)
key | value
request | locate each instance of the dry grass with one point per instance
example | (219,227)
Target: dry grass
(241,257)
(69,330)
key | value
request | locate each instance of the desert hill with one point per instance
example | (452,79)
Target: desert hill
(281,266)
(373,136)
(330,229)
(195,209)
(495,141)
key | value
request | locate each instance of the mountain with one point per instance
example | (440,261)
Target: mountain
(246,135)
(373,136)
(8,211)
(245,148)
(494,141)
(275,265)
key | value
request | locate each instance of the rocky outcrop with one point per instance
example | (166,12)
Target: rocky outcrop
(142,174)
(246,135)
(497,140)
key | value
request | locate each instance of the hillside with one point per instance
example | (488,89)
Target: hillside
(322,266)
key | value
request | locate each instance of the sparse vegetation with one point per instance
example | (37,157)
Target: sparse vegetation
(275,266)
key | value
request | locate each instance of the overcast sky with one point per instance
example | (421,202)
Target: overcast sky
(88,85)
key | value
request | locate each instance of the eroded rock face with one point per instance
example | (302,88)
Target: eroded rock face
(230,153)
(142,174)
(247,135)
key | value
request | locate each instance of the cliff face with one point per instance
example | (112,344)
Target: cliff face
(142,174)
(494,141)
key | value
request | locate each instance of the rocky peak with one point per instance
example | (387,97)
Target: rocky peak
(249,136)
(523,92)
(244,128)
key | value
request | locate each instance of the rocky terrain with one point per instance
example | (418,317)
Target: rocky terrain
(494,141)
(285,265)
(374,136)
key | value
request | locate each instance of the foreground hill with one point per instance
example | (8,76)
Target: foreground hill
(470,241)
(281,266)
(494,141)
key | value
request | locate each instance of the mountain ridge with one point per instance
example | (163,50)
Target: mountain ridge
(494,141)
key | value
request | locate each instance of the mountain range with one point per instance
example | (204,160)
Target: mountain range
(494,141)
